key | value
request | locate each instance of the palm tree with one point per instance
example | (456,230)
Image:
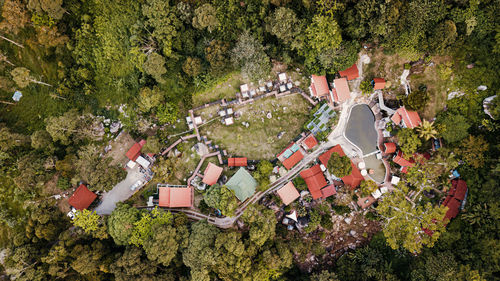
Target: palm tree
(426,130)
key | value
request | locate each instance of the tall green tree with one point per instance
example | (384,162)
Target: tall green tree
(200,254)
(61,128)
(155,66)
(14,16)
(205,16)
(217,54)
(250,55)
(285,25)
(52,7)
(121,223)
(453,127)
(408,141)
(340,166)
(164,21)
(221,198)
(149,98)
(472,151)
(406,218)
(22,77)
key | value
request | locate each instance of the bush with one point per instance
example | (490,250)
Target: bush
(300,184)
(366,87)
(341,210)
(371,216)
(326,222)
(63,183)
(417,100)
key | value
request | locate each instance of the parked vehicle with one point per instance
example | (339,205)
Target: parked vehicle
(136,185)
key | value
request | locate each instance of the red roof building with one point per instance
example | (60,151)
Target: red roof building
(460,187)
(175,197)
(410,119)
(398,159)
(351,73)
(328,191)
(293,160)
(288,193)
(82,198)
(323,158)
(355,178)
(453,209)
(342,92)
(237,162)
(453,201)
(212,174)
(310,142)
(389,147)
(378,83)
(319,86)
(315,180)
(135,150)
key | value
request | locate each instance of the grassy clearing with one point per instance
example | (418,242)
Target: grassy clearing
(437,78)
(185,164)
(389,67)
(226,88)
(36,103)
(259,140)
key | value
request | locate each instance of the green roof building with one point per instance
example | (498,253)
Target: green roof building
(243,184)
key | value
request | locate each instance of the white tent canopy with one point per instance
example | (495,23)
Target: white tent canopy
(143,162)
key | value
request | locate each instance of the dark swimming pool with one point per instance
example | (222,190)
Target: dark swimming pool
(360,131)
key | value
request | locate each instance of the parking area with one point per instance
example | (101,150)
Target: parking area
(121,192)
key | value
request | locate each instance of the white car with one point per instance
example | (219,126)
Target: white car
(136,185)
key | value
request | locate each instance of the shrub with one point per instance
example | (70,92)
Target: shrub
(341,210)
(326,222)
(63,183)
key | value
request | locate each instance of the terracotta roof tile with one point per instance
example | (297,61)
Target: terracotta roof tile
(212,174)
(82,198)
(310,141)
(293,160)
(319,86)
(175,197)
(351,73)
(288,193)
(342,90)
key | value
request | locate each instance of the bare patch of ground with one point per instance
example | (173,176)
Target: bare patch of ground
(343,237)
(119,147)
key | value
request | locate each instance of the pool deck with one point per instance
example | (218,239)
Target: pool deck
(352,151)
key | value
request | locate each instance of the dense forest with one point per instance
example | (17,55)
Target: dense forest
(143,61)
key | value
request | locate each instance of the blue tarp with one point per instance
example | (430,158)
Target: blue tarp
(17,96)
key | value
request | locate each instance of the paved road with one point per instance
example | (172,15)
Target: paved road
(119,193)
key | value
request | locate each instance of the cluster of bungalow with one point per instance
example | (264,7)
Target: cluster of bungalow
(339,92)
(320,183)
(182,196)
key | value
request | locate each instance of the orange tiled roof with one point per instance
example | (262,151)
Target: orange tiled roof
(288,193)
(351,73)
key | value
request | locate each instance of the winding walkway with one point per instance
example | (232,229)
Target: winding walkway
(228,222)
